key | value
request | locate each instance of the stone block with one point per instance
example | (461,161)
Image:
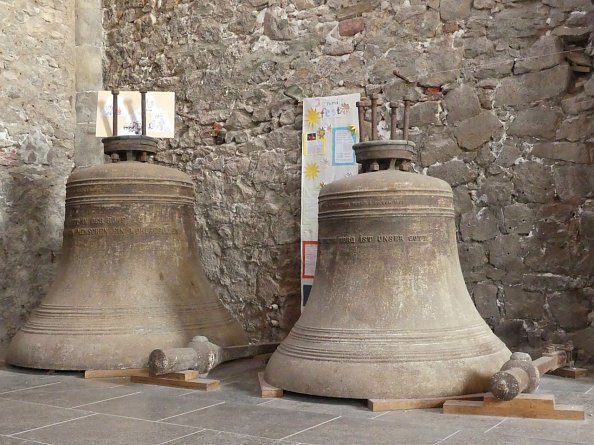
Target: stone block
(88,149)
(88,26)
(462,199)
(534,86)
(478,46)
(519,219)
(89,75)
(485,299)
(506,252)
(570,5)
(454,9)
(509,155)
(495,67)
(496,190)
(551,257)
(574,183)
(483,4)
(563,151)
(477,130)
(576,128)
(586,224)
(521,304)
(552,221)
(454,172)
(361,7)
(336,47)
(511,332)
(572,34)
(86,107)
(425,113)
(545,53)
(533,182)
(569,309)
(577,104)
(479,225)
(350,27)
(35,148)
(462,103)
(438,147)
(439,65)
(472,256)
(277,25)
(539,122)
(484,157)
(589,86)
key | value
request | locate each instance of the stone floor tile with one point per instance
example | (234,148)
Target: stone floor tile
(11,381)
(211,437)
(5,440)
(70,394)
(18,416)
(436,418)
(554,384)
(144,388)
(149,406)
(100,429)
(351,431)
(573,398)
(570,431)
(254,420)
(492,438)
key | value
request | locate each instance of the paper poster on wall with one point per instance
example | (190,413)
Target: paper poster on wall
(330,128)
(343,139)
(160,114)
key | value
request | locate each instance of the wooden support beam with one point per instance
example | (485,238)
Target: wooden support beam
(111,373)
(534,406)
(267,390)
(401,404)
(199,384)
(182,375)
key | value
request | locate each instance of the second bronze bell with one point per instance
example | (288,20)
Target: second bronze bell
(389,315)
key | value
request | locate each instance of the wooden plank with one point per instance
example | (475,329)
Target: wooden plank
(400,404)
(199,384)
(523,401)
(571,373)
(181,375)
(268,390)
(539,410)
(110,373)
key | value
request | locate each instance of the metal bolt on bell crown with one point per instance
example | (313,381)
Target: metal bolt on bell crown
(389,315)
(130,278)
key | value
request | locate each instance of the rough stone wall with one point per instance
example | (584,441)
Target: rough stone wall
(36,149)
(505,115)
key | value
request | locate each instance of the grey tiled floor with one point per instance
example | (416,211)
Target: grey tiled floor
(62,408)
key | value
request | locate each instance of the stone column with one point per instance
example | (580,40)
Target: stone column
(89,79)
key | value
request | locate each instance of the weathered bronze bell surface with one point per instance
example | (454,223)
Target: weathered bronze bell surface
(389,315)
(129,279)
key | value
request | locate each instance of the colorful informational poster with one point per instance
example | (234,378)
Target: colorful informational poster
(160,114)
(330,128)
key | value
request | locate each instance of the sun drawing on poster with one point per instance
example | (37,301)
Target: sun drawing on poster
(312,118)
(311,170)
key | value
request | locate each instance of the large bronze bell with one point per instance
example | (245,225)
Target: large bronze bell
(389,315)
(130,278)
